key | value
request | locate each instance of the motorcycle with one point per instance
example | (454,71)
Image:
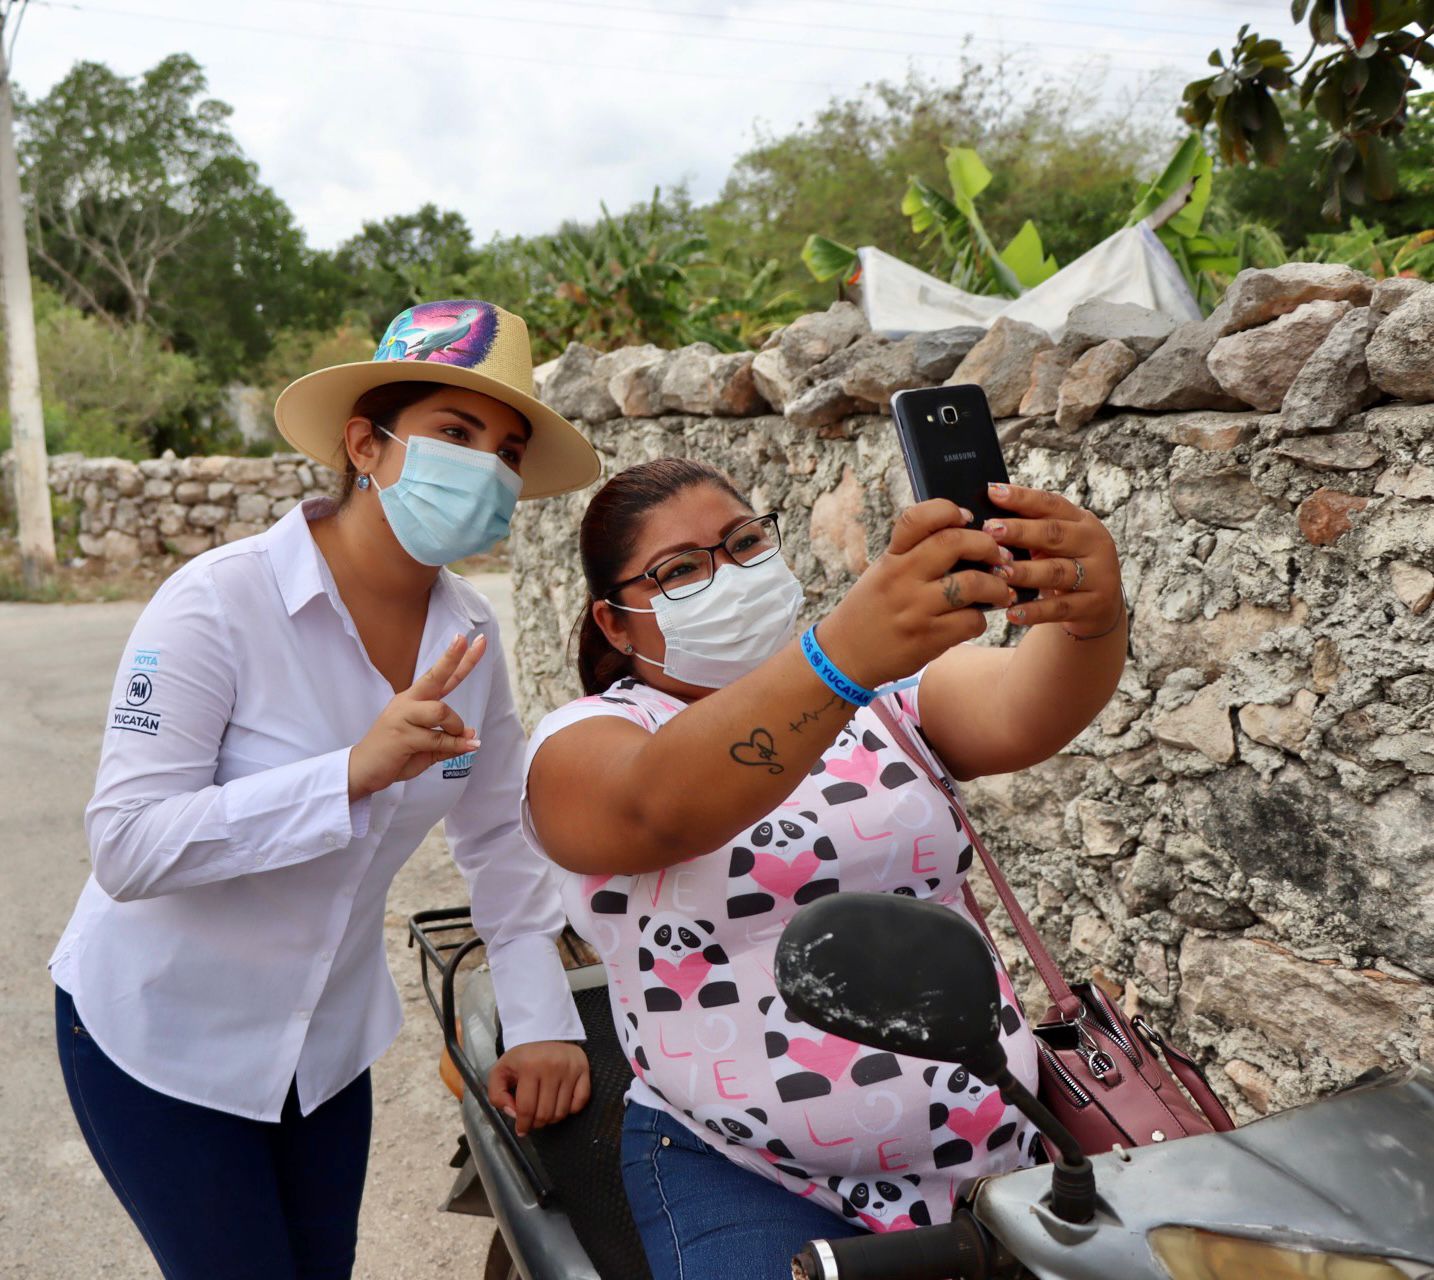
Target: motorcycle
(1338,1189)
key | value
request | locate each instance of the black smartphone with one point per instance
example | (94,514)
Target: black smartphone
(948,439)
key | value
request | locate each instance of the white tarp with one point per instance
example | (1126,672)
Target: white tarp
(1130,266)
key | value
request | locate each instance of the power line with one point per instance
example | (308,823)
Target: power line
(548,60)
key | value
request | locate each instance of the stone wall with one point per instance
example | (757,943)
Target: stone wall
(122,512)
(1243,842)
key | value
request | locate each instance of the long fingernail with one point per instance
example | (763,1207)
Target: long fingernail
(1006,555)
(967,515)
(999,490)
(457,640)
(996,528)
(1017,615)
(1001,571)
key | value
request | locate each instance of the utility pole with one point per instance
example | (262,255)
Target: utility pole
(27,419)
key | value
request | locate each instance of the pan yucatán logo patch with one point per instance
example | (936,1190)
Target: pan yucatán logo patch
(133,714)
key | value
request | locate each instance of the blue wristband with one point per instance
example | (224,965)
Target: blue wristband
(830,674)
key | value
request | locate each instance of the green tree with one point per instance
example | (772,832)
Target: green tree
(394,262)
(1359,92)
(147,212)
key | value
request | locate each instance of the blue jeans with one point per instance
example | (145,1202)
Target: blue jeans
(701,1217)
(215,1195)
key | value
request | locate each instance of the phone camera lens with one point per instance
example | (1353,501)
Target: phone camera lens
(948,415)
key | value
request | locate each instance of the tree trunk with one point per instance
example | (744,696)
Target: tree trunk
(27,420)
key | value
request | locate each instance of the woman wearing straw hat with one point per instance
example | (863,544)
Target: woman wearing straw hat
(291,716)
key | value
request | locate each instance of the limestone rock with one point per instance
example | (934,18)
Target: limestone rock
(1102,828)
(687,383)
(1223,497)
(573,389)
(1048,371)
(735,392)
(636,388)
(1210,431)
(1202,724)
(1394,292)
(1413,585)
(248,470)
(1257,296)
(1347,1016)
(252,508)
(1177,376)
(1334,382)
(1324,515)
(1259,365)
(189,492)
(1090,381)
(774,379)
(1401,352)
(189,544)
(1256,1085)
(1097,321)
(207,515)
(810,339)
(879,375)
(935,355)
(1415,481)
(1283,727)
(1343,451)
(837,530)
(611,363)
(823,404)
(158,488)
(1001,363)
(120,548)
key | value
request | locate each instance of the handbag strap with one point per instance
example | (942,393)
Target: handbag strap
(1062,996)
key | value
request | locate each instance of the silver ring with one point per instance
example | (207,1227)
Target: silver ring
(1080,575)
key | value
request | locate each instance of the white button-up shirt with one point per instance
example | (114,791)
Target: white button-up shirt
(230,938)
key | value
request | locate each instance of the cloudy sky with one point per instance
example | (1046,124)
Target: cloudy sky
(520,113)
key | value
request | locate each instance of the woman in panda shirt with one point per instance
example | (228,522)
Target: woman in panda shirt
(721,773)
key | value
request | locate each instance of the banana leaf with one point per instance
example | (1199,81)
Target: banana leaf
(827,258)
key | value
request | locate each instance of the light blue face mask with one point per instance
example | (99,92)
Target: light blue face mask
(448,502)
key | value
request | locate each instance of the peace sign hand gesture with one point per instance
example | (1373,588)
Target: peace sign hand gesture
(417,728)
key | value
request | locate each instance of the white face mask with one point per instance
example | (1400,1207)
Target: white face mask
(731,627)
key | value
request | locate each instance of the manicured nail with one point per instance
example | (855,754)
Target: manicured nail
(457,641)
(996,528)
(1006,555)
(999,490)
(1010,597)
(967,515)
(1001,571)
(1017,615)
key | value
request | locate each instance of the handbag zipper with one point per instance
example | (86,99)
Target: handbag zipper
(1112,1029)
(1072,1086)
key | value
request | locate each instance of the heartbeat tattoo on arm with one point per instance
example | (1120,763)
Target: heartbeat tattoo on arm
(811,717)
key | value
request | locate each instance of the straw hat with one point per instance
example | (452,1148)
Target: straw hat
(464,343)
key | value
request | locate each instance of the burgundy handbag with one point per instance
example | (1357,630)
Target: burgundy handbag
(1101,1072)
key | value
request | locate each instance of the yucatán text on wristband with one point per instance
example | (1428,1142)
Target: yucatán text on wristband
(831,675)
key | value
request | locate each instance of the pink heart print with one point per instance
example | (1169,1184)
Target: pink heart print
(828,1056)
(903,1223)
(977,1125)
(777,875)
(686,977)
(860,768)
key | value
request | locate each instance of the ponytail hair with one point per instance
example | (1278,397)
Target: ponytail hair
(608,532)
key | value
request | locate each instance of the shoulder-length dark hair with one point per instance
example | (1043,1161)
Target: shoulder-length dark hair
(609,531)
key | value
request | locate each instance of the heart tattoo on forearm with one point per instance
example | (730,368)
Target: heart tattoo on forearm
(759,751)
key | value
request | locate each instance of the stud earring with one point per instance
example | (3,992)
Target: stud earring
(363,482)
(627,648)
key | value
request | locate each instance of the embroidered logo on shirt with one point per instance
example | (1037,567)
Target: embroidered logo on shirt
(459,766)
(138,690)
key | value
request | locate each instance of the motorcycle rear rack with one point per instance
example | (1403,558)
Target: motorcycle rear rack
(450,920)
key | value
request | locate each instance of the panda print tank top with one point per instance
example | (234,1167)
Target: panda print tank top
(884,1140)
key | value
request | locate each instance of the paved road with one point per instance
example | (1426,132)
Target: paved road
(58,1220)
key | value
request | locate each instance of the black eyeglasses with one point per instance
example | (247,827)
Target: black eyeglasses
(691,571)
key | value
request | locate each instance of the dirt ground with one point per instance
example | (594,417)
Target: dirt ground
(58,1219)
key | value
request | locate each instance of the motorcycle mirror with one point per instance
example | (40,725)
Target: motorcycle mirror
(895,973)
(916,979)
